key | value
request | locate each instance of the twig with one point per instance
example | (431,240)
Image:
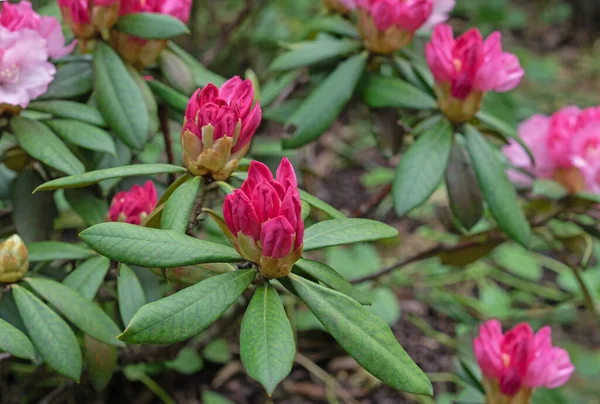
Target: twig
(163,112)
(198,205)
(587,295)
(363,210)
(332,385)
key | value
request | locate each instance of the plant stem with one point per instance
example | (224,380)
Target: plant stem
(163,113)
(198,205)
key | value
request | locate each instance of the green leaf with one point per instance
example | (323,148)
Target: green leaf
(57,250)
(267,345)
(334,24)
(170,96)
(86,204)
(202,76)
(153,248)
(100,361)
(69,110)
(322,107)
(71,80)
(270,90)
(392,92)
(13,341)
(84,314)
(210,397)
(385,305)
(87,277)
(83,134)
(151,26)
(321,205)
(187,362)
(496,188)
(92,177)
(422,168)
(178,208)
(367,338)
(519,261)
(131,293)
(187,312)
(51,336)
(43,145)
(310,53)
(217,351)
(345,231)
(324,273)
(465,198)
(119,98)
(504,129)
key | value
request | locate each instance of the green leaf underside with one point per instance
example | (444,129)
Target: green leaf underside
(100,361)
(321,205)
(422,168)
(83,134)
(188,312)
(131,293)
(13,341)
(153,248)
(57,250)
(178,208)
(345,231)
(50,334)
(496,188)
(309,53)
(151,26)
(86,315)
(43,145)
(92,177)
(87,277)
(69,110)
(267,346)
(392,92)
(329,276)
(366,337)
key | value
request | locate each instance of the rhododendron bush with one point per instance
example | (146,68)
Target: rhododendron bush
(341,201)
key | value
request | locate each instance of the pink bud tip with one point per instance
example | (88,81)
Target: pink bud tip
(133,206)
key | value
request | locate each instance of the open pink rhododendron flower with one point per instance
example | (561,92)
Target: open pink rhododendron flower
(133,206)
(515,363)
(566,147)
(218,127)
(141,52)
(87,18)
(265,220)
(468,66)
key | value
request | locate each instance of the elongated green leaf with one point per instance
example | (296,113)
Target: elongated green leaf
(504,129)
(392,92)
(43,145)
(86,204)
(188,312)
(178,208)
(86,315)
(334,24)
(321,205)
(83,134)
(267,344)
(51,336)
(202,76)
(87,277)
(324,273)
(170,96)
(270,90)
(69,110)
(496,188)
(13,341)
(119,98)
(92,177)
(422,168)
(71,80)
(366,337)
(57,250)
(101,362)
(345,231)
(210,397)
(152,248)
(151,26)
(321,108)
(309,53)
(131,293)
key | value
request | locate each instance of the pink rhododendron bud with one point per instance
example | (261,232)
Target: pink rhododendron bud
(21,16)
(465,68)
(388,25)
(218,127)
(88,17)
(133,206)
(14,261)
(141,52)
(340,6)
(265,220)
(24,70)
(515,363)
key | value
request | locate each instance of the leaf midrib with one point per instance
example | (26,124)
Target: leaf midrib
(331,230)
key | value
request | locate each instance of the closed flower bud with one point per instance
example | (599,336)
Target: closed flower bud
(466,68)
(87,18)
(14,262)
(218,127)
(133,206)
(265,221)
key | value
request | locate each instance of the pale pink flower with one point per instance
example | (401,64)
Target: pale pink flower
(133,206)
(24,68)
(441,12)
(265,220)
